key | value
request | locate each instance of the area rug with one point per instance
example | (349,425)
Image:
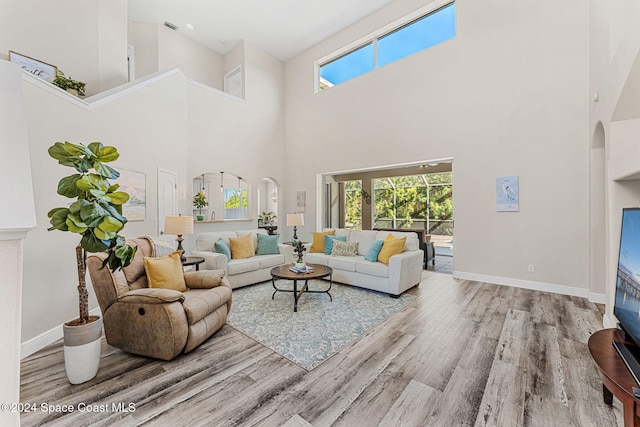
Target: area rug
(320,328)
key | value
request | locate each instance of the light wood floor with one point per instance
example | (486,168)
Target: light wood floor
(462,354)
(441,264)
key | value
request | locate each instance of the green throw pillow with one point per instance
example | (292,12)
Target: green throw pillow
(267,245)
(221,247)
(328,242)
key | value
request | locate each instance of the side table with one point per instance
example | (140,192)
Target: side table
(616,378)
(193,260)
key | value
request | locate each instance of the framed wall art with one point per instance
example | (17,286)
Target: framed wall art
(507,194)
(301,201)
(134,184)
(34,66)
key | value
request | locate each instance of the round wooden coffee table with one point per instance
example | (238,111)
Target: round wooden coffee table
(284,272)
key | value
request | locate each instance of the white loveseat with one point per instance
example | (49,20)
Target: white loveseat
(240,272)
(403,272)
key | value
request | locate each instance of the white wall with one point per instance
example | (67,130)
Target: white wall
(112,43)
(507,96)
(233,59)
(217,124)
(66,34)
(144,38)
(599,112)
(615,154)
(11,283)
(158,47)
(198,62)
(243,137)
(17,217)
(15,171)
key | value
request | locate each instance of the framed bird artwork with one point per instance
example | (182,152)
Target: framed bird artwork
(507,194)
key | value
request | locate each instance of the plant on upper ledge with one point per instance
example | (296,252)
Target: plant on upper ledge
(72,86)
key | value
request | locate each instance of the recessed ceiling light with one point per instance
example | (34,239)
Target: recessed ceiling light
(189,27)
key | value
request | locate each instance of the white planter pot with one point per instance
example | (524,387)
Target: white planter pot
(82,348)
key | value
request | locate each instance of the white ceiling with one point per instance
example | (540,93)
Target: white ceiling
(284,28)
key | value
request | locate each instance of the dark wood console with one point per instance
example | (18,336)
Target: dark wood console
(425,246)
(616,378)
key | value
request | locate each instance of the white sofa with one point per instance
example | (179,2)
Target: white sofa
(403,272)
(241,272)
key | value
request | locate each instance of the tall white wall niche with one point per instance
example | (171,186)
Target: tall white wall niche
(17,217)
(233,82)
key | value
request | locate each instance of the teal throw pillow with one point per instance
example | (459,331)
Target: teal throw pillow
(267,245)
(374,250)
(328,242)
(221,247)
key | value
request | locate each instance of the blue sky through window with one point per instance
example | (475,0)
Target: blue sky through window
(418,35)
(351,65)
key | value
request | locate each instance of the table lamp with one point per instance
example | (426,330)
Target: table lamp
(295,220)
(179,225)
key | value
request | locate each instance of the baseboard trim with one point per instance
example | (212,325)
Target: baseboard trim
(597,298)
(607,322)
(535,286)
(29,347)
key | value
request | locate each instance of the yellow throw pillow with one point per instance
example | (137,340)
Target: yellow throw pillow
(165,272)
(317,244)
(391,246)
(241,247)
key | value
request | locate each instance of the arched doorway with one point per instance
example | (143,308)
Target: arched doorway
(268,201)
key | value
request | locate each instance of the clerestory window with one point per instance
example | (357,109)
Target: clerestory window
(390,44)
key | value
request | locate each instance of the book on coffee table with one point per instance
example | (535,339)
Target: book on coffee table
(306,269)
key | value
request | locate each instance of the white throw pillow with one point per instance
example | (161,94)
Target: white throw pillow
(365,239)
(344,248)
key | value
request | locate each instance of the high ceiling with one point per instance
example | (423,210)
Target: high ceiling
(284,28)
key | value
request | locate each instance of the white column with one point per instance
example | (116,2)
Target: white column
(17,217)
(10,304)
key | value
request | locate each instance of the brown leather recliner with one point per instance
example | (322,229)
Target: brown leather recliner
(159,323)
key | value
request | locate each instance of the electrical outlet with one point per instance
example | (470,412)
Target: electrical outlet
(530,269)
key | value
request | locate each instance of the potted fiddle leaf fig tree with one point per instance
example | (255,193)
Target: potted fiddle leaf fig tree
(96,215)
